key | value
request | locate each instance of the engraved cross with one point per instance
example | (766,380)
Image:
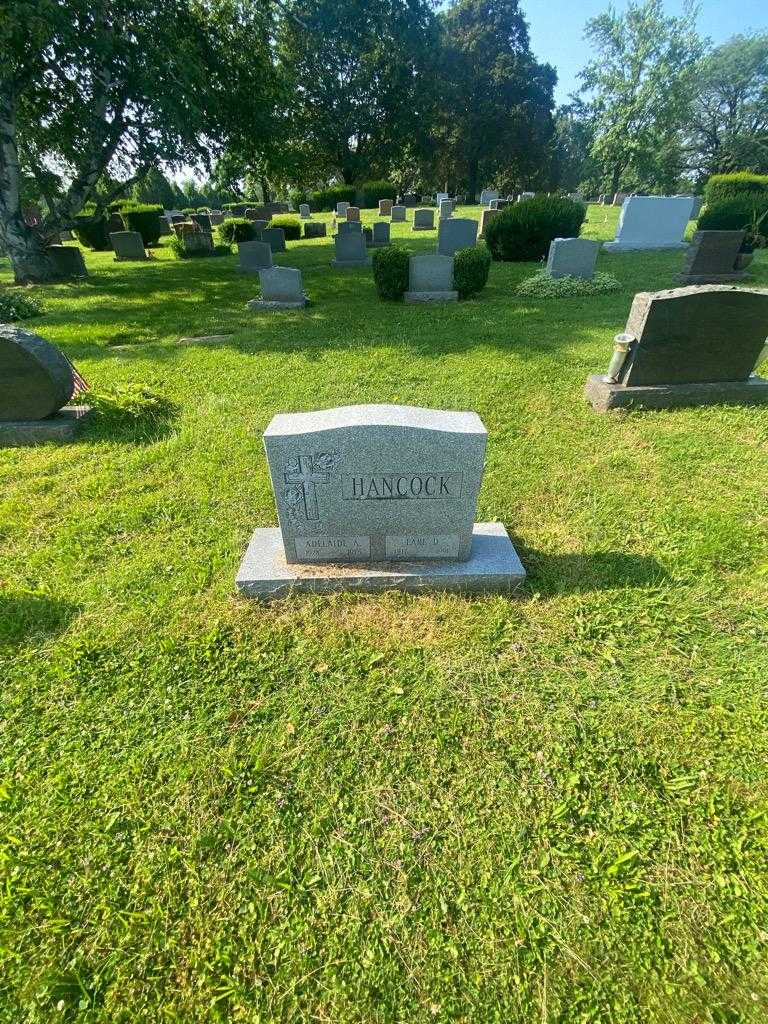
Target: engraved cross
(307,478)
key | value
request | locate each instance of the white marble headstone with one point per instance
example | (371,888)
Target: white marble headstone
(652,222)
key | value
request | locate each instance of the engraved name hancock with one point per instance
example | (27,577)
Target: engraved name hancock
(402,486)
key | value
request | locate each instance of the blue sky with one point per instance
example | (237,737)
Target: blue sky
(557,29)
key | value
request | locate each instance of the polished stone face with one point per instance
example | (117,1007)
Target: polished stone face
(350,247)
(398,214)
(380,232)
(275,238)
(572,257)
(695,335)
(652,222)
(315,230)
(254,256)
(713,255)
(430,273)
(456,233)
(36,380)
(128,245)
(376,483)
(281,284)
(424,220)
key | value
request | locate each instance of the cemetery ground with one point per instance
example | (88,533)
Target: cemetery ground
(380,808)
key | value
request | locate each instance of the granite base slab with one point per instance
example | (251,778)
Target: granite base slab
(493,567)
(58,429)
(643,246)
(417,297)
(604,394)
(691,279)
(423,227)
(344,264)
(256,305)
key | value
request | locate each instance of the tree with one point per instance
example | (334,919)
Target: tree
(90,87)
(641,81)
(155,188)
(360,82)
(728,126)
(496,100)
(573,168)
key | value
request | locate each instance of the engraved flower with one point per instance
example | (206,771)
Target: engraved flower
(292,466)
(326,461)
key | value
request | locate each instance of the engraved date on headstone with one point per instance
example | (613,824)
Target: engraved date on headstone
(331,549)
(412,545)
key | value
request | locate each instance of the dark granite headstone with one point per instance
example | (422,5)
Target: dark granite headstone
(202,219)
(37,379)
(711,258)
(687,346)
(695,335)
(68,260)
(315,230)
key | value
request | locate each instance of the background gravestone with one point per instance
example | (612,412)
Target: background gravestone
(353,214)
(68,260)
(430,279)
(37,382)
(314,230)
(253,257)
(341,209)
(350,250)
(687,346)
(398,214)
(275,238)
(380,233)
(456,233)
(385,207)
(304,212)
(652,222)
(711,258)
(349,227)
(281,288)
(128,245)
(377,496)
(486,217)
(424,220)
(572,257)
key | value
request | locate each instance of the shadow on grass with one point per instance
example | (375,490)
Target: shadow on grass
(26,615)
(586,571)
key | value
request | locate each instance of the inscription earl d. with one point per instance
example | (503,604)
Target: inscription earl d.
(402,487)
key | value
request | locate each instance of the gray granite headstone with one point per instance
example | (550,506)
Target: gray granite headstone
(380,233)
(350,250)
(398,214)
(202,219)
(253,256)
(456,233)
(486,217)
(430,279)
(652,222)
(572,257)
(687,346)
(424,219)
(258,226)
(711,258)
(275,238)
(37,383)
(446,209)
(68,260)
(349,227)
(128,245)
(385,207)
(373,497)
(487,196)
(217,219)
(315,230)
(368,483)
(281,288)
(304,211)
(341,209)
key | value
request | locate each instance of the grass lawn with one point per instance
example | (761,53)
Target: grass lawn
(389,809)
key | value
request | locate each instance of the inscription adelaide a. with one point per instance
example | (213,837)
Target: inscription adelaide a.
(402,486)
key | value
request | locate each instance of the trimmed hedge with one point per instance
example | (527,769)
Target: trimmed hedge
(93,234)
(470,270)
(236,229)
(145,219)
(733,214)
(373,191)
(233,206)
(290,224)
(390,271)
(326,198)
(524,231)
(721,187)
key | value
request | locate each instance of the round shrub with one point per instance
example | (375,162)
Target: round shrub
(745,212)
(290,224)
(542,286)
(92,233)
(236,229)
(373,191)
(470,270)
(524,231)
(145,219)
(390,271)
(15,306)
(722,187)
